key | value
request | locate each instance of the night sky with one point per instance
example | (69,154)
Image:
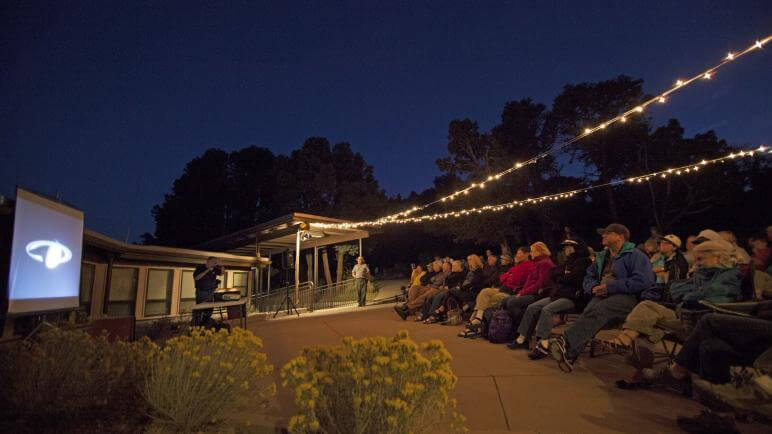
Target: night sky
(104,102)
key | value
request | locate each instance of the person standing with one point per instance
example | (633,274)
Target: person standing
(361,274)
(205,277)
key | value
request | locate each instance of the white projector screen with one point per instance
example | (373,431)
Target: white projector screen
(45,255)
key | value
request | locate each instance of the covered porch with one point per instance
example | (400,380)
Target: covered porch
(282,242)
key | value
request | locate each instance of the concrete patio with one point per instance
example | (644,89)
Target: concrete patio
(499,390)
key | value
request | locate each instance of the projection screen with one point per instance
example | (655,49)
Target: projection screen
(45,255)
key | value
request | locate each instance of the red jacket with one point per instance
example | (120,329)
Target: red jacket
(540,278)
(515,277)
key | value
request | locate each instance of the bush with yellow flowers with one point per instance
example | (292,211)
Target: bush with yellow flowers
(68,373)
(373,385)
(193,379)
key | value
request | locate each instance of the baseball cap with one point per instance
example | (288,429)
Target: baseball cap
(569,242)
(616,228)
(672,239)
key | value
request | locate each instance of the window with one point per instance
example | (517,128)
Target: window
(86,286)
(123,291)
(240,281)
(188,292)
(159,292)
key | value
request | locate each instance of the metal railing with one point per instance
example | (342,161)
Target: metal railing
(309,296)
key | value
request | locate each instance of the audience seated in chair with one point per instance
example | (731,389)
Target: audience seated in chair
(716,279)
(508,282)
(565,295)
(462,294)
(537,282)
(619,274)
(417,293)
(430,312)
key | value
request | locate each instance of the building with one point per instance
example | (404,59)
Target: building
(121,280)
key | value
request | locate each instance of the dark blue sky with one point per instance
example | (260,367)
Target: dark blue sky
(105,101)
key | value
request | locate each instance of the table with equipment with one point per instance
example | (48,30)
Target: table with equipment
(221,307)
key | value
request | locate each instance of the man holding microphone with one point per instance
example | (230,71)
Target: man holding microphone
(205,277)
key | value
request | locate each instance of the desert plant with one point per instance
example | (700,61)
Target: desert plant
(194,378)
(162,329)
(373,385)
(70,373)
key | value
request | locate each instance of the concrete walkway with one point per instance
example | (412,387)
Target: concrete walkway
(499,390)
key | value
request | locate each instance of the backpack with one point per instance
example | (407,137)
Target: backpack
(497,325)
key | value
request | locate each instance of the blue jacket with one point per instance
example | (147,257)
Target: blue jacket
(632,271)
(717,285)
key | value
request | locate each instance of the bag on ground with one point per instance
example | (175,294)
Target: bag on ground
(498,327)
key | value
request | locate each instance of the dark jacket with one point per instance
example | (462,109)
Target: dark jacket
(568,277)
(427,278)
(472,281)
(632,271)
(676,267)
(490,276)
(455,279)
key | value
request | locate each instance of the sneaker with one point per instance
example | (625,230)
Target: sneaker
(562,354)
(707,422)
(664,378)
(402,312)
(536,355)
(515,346)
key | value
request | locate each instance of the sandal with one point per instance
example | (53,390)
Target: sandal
(431,320)
(620,343)
(468,333)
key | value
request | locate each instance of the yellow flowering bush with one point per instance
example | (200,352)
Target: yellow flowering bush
(373,385)
(70,373)
(194,378)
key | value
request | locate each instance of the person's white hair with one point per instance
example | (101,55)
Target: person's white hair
(724,250)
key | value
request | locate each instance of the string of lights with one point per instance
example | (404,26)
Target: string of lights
(662,174)
(621,118)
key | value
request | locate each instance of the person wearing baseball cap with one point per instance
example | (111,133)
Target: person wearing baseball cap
(619,274)
(675,266)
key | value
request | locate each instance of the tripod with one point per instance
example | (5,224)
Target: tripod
(290,304)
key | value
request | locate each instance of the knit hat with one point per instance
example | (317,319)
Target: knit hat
(672,239)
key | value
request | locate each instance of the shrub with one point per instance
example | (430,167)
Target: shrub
(162,329)
(70,373)
(194,378)
(373,385)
